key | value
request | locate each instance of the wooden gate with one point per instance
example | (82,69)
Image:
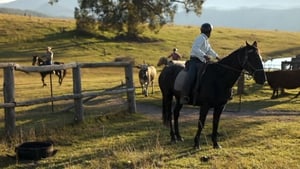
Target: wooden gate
(9,89)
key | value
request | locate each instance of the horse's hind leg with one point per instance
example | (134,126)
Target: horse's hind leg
(59,75)
(167,115)
(177,109)
(275,94)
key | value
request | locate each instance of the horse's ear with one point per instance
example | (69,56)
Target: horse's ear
(254,44)
(247,43)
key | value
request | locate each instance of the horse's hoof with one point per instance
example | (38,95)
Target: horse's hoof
(173,142)
(217,146)
(197,147)
(180,139)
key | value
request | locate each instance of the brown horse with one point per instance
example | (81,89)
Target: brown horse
(59,73)
(214,91)
(165,61)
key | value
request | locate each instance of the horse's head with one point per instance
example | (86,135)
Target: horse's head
(252,62)
(34,60)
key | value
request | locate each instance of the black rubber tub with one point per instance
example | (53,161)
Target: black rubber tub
(34,150)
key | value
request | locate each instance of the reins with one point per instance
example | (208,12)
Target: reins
(242,64)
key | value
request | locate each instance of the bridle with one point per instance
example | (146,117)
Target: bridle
(242,64)
(37,61)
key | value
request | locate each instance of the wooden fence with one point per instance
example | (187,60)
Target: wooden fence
(9,89)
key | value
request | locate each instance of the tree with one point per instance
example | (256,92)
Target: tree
(129,17)
(51,2)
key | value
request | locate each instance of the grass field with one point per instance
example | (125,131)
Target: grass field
(265,133)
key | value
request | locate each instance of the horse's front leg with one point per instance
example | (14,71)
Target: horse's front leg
(177,109)
(202,117)
(216,118)
(43,79)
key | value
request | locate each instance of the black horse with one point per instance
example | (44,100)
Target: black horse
(59,73)
(214,91)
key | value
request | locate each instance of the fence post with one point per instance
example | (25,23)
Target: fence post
(78,107)
(9,97)
(130,84)
(241,84)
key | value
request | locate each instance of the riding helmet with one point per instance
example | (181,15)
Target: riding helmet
(175,49)
(206,28)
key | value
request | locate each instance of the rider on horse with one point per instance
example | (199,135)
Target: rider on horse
(48,56)
(201,50)
(174,55)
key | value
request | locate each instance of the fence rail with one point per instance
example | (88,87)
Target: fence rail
(9,89)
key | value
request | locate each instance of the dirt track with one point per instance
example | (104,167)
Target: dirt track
(192,113)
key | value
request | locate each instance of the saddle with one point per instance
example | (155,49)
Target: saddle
(180,82)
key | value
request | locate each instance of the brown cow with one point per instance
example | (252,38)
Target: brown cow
(283,79)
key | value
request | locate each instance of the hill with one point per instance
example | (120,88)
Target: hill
(263,19)
(23,36)
(64,9)
(21,12)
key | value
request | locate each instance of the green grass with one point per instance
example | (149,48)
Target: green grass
(133,141)
(263,134)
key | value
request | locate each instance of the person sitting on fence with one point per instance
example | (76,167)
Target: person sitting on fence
(48,56)
(174,55)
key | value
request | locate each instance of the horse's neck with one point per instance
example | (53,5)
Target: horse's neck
(233,60)
(40,61)
(231,68)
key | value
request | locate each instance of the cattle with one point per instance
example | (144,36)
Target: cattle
(147,75)
(283,79)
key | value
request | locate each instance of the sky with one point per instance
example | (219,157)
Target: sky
(235,4)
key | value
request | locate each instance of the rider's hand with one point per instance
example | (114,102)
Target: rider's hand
(207,58)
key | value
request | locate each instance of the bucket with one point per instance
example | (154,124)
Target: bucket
(34,150)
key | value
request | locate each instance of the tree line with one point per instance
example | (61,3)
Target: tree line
(129,18)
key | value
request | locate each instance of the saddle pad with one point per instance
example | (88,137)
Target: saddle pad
(179,81)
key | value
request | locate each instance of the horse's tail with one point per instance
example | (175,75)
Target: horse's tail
(166,110)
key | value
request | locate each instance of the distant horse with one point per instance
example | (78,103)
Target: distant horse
(147,75)
(165,61)
(214,90)
(59,73)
